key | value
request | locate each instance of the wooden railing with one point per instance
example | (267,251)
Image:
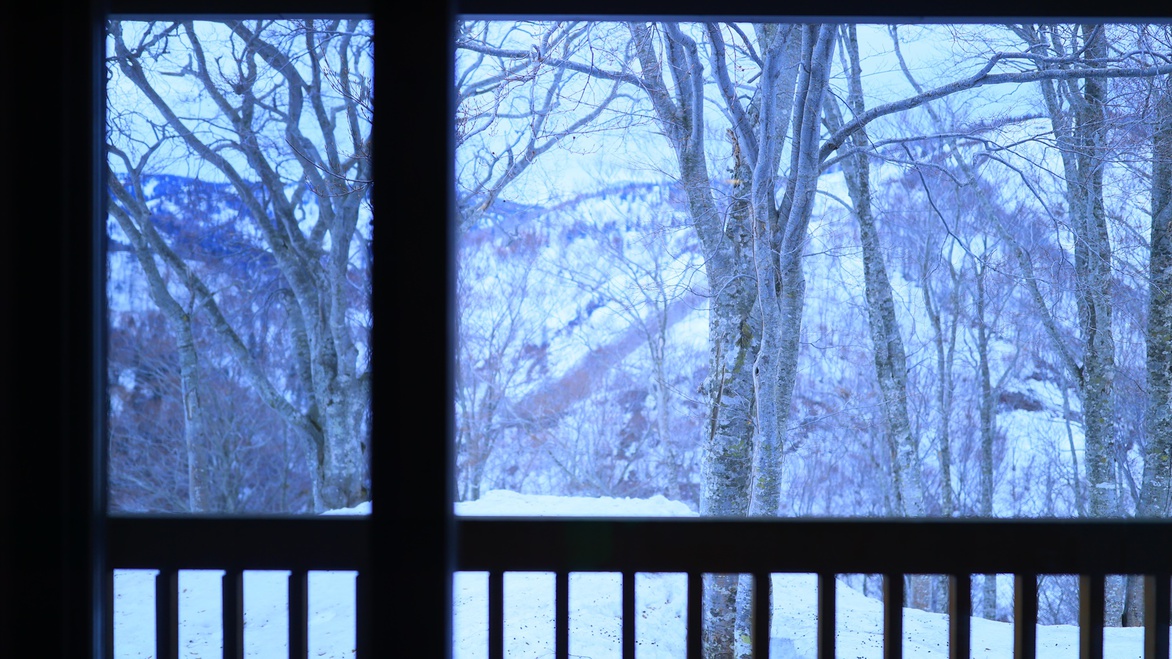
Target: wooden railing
(958,549)
(298,545)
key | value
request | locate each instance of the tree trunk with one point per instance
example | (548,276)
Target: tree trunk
(890,358)
(1093,271)
(734,330)
(1092,262)
(1154,493)
(887,343)
(986,403)
(985,407)
(945,354)
(1154,489)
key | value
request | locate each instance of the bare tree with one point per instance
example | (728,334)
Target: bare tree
(890,358)
(280,111)
(1154,499)
(776,107)
(521,92)
(770,84)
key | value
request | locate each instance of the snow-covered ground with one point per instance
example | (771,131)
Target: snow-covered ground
(595,602)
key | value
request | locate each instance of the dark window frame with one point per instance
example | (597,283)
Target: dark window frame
(53,531)
(55,572)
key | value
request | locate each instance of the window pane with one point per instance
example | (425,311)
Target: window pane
(827,270)
(944,298)
(239,234)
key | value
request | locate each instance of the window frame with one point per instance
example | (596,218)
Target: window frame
(534,544)
(373,533)
(53,533)
(55,576)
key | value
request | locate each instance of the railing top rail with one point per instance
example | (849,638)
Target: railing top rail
(1049,546)
(265,543)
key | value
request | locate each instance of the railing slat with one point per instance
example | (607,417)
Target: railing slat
(496,615)
(167,614)
(628,615)
(960,612)
(695,615)
(561,618)
(232,613)
(363,608)
(108,594)
(298,614)
(1157,611)
(892,616)
(1025,616)
(762,585)
(826,610)
(1091,597)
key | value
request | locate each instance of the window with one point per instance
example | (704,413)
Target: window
(67,534)
(522,53)
(612,264)
(206,204)
(54,527)
(240,227)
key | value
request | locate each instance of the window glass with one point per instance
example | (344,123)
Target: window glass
(814,270)
(239,228)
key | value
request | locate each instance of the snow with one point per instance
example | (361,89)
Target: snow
(503,502)
(266,630)
(361,509)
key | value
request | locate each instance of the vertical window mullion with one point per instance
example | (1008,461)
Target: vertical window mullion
(628,615)
(695,615)
(761,614)
(363,627)
(893,592)
(496,614)
(1091,597)
(1157,594)
(561,619)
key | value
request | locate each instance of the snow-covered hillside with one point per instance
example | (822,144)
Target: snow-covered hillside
(584,350)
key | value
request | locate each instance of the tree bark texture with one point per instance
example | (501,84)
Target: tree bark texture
(986,416)
(1154,493)
(1092,258)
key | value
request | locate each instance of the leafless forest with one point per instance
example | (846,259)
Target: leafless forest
(794,270)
